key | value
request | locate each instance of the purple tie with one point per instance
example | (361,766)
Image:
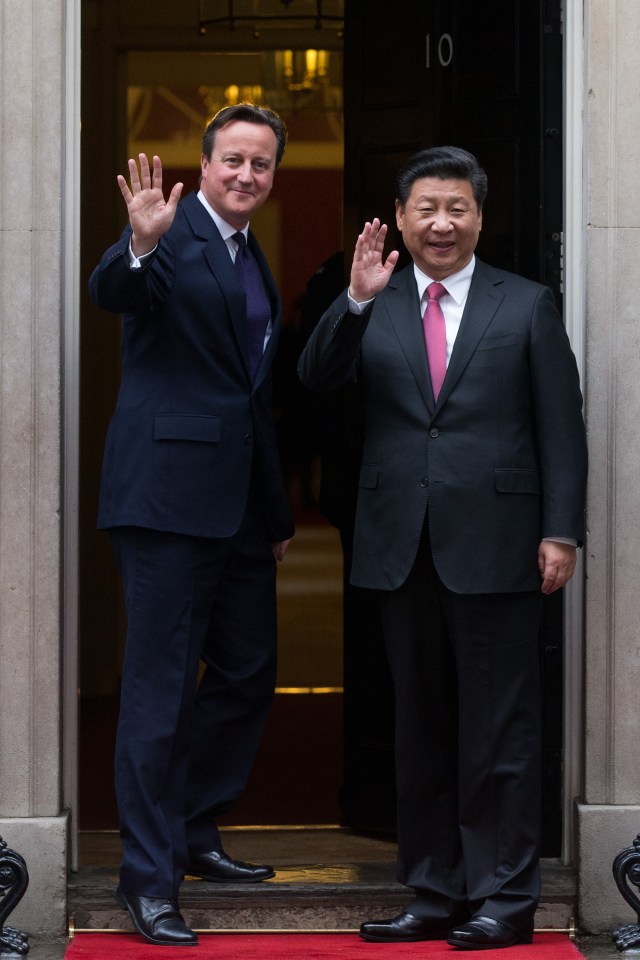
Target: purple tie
(435,335)
(258,306)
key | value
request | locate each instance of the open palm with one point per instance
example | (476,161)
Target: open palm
(369,272)
(150,215)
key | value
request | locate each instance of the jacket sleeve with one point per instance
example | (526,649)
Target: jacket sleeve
(116,287)
(330,359)
(560,429)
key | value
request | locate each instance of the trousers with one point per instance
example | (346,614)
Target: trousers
(197,684)
(466,676)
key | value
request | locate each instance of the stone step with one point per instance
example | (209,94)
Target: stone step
(326,879)
(307,897)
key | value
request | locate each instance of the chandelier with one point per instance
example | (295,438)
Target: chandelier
(274,13)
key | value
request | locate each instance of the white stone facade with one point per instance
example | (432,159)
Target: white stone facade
(609,807)
(33,54)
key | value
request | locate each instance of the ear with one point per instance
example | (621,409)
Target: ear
(399,215)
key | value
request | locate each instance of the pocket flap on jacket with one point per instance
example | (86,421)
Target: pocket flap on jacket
(494,343)
(169,426)
(369,476)
(517,480)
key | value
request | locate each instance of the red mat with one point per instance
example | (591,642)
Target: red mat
(306,946)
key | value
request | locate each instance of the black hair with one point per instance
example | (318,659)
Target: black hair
(445,163)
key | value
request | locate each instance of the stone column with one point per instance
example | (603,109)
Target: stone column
(32,118)
(609,814)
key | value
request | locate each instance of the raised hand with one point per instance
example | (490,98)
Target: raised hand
(369,273)
(150,215)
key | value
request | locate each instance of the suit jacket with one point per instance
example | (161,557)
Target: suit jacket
(190,430)
(499,461)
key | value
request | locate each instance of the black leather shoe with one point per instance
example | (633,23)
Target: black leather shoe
(157,919)
(219,868)
(405,928)
(485,933)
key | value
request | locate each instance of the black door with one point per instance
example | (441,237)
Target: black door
(485,76)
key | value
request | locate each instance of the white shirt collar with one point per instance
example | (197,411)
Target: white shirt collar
(457,285)
(226,230)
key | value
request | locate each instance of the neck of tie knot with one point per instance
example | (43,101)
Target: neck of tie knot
(240,239)
(435,291)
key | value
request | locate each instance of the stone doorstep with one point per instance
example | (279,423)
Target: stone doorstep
(338,897)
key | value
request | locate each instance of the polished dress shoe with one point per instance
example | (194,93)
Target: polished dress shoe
(219,868)
(485,933)
(157,919)
(405,928)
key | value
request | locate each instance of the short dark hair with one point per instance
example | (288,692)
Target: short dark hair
(250,113)
(445,163)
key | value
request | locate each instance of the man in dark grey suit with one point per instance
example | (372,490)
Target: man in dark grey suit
(470,507)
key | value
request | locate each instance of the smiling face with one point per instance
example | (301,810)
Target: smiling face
(237,178)
(440,224)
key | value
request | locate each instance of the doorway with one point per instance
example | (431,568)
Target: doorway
(485,76)
(163,102)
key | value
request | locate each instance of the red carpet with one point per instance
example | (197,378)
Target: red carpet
(306,946)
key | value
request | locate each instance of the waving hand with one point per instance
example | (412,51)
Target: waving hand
(369,273)
(150,215)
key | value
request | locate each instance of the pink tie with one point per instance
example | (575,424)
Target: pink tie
(435,335)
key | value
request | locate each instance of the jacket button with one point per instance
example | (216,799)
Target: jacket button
(248,438)
(433,432)
(424,482)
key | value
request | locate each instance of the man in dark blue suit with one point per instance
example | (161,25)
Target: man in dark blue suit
(193,499)
(470,508)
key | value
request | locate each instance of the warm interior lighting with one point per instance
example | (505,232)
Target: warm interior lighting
(304,86)
(303,70)
(311,58)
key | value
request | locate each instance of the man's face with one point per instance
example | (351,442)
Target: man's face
(440,224)
(238,178)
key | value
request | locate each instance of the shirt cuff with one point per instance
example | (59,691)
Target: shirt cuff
(355,307)
(137,263)
(569,540)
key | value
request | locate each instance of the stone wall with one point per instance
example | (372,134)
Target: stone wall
(31,117)
(609,814)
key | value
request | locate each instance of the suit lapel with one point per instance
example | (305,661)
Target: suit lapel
(274,300)
(403,311)
(220,263)
(216,253)
(485,296)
